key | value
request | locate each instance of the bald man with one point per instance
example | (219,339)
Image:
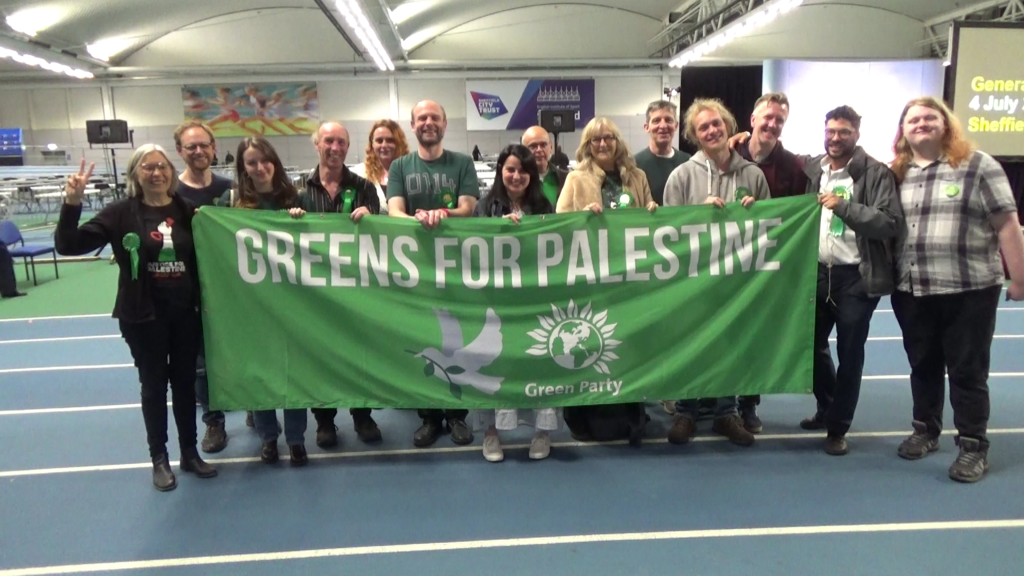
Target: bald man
(432,184)
(332,187)
(538,141)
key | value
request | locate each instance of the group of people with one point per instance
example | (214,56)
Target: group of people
(928,230)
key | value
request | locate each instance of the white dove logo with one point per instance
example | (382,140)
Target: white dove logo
(458,364)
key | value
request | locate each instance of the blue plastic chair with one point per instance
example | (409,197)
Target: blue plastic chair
(10,235)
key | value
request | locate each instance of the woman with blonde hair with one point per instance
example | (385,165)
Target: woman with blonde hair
(387,142)
(157,305)
(606,176)
(960,211)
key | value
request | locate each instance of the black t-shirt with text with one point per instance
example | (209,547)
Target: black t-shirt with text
(169,276)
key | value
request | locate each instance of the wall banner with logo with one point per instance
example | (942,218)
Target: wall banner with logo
(562,310)
(516,104)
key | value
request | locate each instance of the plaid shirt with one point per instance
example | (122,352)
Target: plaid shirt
(948,245)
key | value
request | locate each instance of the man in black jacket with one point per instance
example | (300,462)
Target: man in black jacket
(552,178)
(860,220)
(332,187)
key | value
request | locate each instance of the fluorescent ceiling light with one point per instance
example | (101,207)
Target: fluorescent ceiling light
(31,21)
(742,26)
(56,67)
(104,49)
(357,21)
(407,10)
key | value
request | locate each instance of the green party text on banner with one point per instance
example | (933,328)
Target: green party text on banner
(562,310)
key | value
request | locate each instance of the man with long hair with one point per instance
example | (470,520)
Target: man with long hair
(960,212)
(433,184)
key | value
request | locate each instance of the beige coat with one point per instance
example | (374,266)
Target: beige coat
(583,187)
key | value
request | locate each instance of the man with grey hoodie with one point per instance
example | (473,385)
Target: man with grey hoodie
(714,175)
(860,220)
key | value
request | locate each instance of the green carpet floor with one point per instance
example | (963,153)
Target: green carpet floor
(83,288)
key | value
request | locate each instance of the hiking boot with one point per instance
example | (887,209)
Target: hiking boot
(298,455)
(427,434)
(972,463)
(816,422)
(836,445)
(492,448)
(216,438)
(191,462)
(163,477)
(731,427)
(461,434)
(249,422)
(918,444)
(327,435)
(366,429)
(681,430)
(269,452)
(751,422)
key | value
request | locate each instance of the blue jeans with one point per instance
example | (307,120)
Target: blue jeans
(725,406)
(294,425)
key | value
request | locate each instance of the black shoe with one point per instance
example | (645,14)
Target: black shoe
(249,421)
(299,457)
(216,438)
(918,444)
(972,463)
(163,477)
(750,420)
(366,429)
(427,434)
(836,446)
(816,422)
(461,434)
(269,452)
(326,435)
(191,462)
(15,295)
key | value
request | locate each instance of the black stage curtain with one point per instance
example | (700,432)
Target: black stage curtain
(738,87)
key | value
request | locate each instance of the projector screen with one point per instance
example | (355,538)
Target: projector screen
(988,85)
(876,90)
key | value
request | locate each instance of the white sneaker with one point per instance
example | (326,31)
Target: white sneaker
(669,406)
(540,447)
(492,449)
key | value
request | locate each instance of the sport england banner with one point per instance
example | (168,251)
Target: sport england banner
(516,104)
(254,109)
(562,310)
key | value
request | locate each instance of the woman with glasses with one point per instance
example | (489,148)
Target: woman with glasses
(157,303)
(387,142)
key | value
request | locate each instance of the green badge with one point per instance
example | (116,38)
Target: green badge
(742,192)
(448,200)
(349,197)
(951,190)
(625,199)
(837,226)
(131,243)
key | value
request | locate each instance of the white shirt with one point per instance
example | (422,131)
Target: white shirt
(832,248)
(360,170)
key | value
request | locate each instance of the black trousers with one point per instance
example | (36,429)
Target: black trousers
(437,414)
(949,333)
(325,416)
(842,303)
(165,349)
(8,282)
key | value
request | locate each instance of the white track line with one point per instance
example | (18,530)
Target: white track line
(64,368)
(474,448)
(67,339)
(33,411)
(900,338)
(1009,309)
(107,315)
(575,539)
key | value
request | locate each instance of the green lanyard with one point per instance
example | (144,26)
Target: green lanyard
(350,196)
(837,227)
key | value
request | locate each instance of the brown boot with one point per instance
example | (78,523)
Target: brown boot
(731,427)
(682,430)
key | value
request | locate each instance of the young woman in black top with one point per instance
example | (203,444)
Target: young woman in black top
(157,294)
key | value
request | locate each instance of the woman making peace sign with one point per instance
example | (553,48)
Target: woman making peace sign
(157,294)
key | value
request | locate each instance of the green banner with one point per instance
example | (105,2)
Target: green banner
(561,310)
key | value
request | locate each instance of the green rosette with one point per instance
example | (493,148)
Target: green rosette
(625,199)
(131,243)
(349,199)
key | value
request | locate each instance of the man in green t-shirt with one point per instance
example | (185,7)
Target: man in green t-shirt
(538,141)
(660,158)
(432,184)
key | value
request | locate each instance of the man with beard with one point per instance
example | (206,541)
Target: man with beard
(660,158)
(332,187)
(197,147)
(552,178)
(860,220)
(432,184)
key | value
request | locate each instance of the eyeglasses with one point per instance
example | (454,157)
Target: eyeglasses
(151,168)
(843,133)
(539,146)
(597,140)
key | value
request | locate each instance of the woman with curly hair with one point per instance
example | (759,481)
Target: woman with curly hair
(387,142)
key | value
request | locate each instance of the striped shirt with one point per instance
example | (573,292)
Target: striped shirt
(315,197)
(948,245)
